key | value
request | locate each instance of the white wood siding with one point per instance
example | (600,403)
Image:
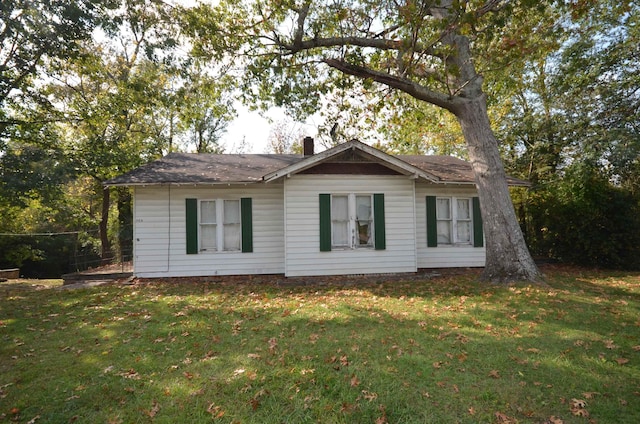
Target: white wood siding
(160,232)
(302,236)
(443,256)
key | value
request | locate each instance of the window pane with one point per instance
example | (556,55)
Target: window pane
(363,208)
(232,237)
(464,231)
(208,237)
(339,208)
(364,217)
(231,211)
(464,209)
(340,220)
(443,211)
(208,212)
(340,233)
(444,232)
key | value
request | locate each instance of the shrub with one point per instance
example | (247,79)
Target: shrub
(584,219)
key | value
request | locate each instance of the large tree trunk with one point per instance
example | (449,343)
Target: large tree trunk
(105,253)
(125,223)
(508,258)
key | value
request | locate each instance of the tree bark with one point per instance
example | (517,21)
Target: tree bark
(125,223)
(105,244)
(507,256)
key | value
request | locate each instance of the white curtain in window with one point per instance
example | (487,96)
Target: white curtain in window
(444,232)
(443,213)
(363,208)
(463,211)
(340,220)
(208,237)
(464,232)
(208,212)
(208,225)
(363,218)
(231,225)
(443,209)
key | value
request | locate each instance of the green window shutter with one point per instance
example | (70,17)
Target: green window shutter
(246,217)
(432,225)
(191,218)
(477,223)
(325,222)
(378,222)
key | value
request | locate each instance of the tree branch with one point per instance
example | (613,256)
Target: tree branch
(377,43)
(405,85)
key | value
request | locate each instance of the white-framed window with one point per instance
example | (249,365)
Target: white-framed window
(219,225)
(454,220)
(352,221)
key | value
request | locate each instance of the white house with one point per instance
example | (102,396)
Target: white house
(352,209)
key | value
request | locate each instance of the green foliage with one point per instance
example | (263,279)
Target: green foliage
(570,126)
(583,219)
(32,33)
(28,171)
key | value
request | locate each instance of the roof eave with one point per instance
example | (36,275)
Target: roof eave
(180,183)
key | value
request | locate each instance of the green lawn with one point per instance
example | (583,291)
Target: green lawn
(441,350)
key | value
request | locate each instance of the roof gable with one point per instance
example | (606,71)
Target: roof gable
(342,151)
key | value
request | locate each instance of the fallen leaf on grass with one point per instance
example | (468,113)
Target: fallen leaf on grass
(494,374)
(580,412)
(383,418)
(622,361)
(215,411)
(578,404)
(131,374)
(636,348)
(273,344)
(255,400)
(577,407)
(154,409)
(370,396)
(347,407)
(505,419)
(344,360)
(355,381)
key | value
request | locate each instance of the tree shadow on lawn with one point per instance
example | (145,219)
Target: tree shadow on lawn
(333,353)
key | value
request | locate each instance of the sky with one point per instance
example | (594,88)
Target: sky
(256,128)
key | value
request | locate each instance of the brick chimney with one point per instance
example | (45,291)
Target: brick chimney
(307,146)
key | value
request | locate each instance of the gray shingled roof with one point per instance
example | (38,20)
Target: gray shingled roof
(192,168)
(204,168)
